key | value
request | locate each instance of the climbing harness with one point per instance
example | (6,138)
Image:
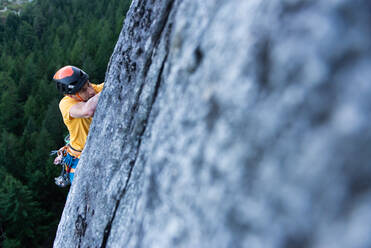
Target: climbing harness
(65,157)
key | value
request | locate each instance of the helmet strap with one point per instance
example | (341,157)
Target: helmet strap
(78,96)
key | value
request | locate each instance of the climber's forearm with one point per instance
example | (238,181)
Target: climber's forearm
(85,109)
(91,105)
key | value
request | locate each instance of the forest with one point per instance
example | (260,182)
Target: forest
(34,44)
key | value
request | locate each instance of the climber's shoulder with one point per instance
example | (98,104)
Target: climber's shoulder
(98,87)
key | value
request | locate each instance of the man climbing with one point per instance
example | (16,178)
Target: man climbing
(77,108)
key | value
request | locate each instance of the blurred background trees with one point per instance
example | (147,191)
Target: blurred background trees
(45,36)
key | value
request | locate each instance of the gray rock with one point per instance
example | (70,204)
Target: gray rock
(230,124)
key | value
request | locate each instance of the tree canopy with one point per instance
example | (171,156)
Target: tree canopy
(45,36)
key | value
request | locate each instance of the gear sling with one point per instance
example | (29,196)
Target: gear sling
(68,158)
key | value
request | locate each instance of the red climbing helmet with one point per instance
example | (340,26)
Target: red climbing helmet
(70,79)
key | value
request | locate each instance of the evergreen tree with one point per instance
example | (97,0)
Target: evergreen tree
(19,209)
(10,154)
(27,36)
(11,26)
(10,109)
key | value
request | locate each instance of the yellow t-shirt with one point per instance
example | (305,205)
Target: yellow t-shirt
(77,127)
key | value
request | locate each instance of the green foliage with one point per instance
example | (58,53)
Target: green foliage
(11,243)
(10,149)
(10,109)
(18,208)
(46,36)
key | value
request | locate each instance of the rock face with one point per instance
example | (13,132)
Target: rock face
(230,124)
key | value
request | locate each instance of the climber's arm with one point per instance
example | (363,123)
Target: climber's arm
(85,109)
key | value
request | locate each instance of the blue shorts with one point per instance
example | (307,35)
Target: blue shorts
(71,164)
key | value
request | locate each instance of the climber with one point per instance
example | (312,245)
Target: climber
(77,108)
